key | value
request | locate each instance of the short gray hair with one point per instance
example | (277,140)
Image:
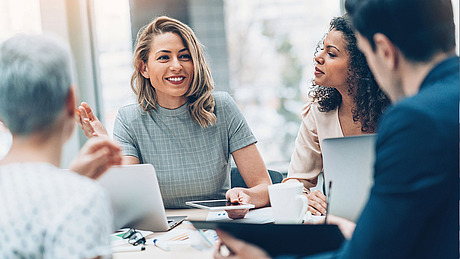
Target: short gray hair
(36,72)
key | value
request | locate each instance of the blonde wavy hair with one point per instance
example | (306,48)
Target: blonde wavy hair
(200,101)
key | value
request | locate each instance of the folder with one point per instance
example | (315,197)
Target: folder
(282,239)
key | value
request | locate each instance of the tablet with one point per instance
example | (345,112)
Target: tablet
(282,239)
(218,205)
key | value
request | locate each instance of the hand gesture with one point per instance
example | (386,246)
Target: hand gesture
(317,203)
(88,122)
(96,156)
(237,196)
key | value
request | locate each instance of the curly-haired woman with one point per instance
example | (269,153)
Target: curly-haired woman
(345,101)
(180,127)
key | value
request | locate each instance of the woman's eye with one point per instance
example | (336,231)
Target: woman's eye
(164,57)
(185,57)
(331,54)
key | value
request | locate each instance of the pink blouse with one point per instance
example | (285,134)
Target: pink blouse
(306,161)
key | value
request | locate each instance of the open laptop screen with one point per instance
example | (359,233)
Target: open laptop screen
(136,198)
(349,163)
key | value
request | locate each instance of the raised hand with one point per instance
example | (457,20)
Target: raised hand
(88,122)
(96,156)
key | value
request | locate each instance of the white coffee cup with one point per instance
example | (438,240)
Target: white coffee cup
(288,203)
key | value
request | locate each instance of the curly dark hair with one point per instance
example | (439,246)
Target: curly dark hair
(369,100)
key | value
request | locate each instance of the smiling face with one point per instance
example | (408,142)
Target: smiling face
(332,62)
(170,69)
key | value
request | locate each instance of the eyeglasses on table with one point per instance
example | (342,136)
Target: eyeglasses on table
(134,237)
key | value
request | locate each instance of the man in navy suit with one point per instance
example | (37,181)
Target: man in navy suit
(413,208)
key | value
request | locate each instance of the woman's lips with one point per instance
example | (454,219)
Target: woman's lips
(176,79)
(318,71)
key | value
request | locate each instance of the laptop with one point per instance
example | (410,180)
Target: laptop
(349,163)
(136,199)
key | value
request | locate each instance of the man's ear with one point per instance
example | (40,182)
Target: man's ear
(386,51)
(144,69)
(71,101)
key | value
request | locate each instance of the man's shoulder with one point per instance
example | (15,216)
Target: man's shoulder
(439,91)
(430,116)
(437,101)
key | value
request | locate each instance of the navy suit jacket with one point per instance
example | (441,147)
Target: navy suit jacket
(413,207)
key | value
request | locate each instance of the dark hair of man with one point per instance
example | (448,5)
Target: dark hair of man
(369,100)
(419,28)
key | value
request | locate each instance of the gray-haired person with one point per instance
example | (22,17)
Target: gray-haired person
(47,212)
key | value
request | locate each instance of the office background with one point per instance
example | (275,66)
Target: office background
(260,51)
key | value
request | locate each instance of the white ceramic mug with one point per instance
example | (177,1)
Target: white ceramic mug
(288,202)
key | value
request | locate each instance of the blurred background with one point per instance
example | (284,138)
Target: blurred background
(259,51)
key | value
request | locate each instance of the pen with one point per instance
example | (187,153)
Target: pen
(161,245)
(210,244)
(127,249)
(328,201)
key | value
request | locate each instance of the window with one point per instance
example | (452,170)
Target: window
(113,30)
(271,45)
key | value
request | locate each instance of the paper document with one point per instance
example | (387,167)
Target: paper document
(188,236)
(261,216)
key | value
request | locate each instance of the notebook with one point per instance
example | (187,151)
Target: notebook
(282,239)
(349,163)
(136,198)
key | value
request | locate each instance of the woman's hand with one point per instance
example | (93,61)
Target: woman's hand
(237,196)
(317,203)
(255,175)
(88,122)
(238,248)
(96,156)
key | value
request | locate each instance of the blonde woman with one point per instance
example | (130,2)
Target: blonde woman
(180,126)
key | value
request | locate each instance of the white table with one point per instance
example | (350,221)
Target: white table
(185,251)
